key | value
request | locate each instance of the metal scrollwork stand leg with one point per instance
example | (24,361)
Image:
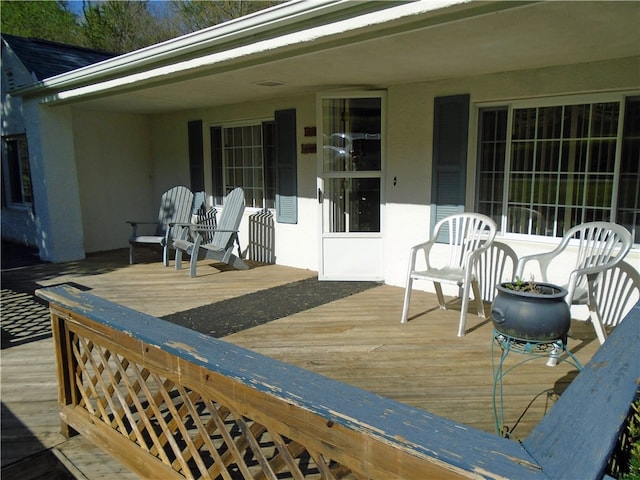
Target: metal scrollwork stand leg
(555,350)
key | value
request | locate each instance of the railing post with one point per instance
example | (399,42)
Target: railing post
(66,365)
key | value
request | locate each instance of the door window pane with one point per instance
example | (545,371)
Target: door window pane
(352,205)
(351,134)
(351,164)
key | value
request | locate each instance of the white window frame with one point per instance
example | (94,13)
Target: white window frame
(249,191)
(512,105)
(26,190)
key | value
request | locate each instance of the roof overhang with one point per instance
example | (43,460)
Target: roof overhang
(306,46)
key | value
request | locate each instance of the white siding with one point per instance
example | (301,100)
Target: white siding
(115,175)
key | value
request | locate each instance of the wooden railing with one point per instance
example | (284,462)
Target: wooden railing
(169,402)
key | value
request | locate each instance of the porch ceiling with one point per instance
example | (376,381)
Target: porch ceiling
(525,36)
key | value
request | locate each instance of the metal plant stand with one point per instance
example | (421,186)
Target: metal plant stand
(555,350)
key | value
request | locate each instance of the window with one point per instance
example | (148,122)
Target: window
(559,166)
(261,158)
(16,171)
(628,207)
(248,154)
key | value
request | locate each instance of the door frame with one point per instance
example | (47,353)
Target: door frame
(359,255)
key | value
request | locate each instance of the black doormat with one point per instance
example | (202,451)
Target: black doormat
(236,314)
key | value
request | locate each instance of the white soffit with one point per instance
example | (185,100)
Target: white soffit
(411,42)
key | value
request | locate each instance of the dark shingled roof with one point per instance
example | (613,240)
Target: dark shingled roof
(46,59)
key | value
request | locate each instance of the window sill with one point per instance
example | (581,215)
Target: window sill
(19,207)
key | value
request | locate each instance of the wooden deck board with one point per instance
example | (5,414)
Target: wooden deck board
(357,340)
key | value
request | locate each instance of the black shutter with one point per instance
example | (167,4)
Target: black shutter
(287,163)
(196,155)
(450,138)
(216,165)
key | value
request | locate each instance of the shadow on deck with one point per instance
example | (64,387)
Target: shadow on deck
(25,323)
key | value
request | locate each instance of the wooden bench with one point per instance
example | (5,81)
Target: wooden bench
(169,402)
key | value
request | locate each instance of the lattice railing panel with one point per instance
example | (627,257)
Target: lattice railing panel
(194,434)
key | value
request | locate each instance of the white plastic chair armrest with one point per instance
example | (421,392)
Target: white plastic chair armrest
(425,247)
(543,259)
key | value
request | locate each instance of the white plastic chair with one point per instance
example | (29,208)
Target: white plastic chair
(495,265)
(469,235)
(600,246)
(525,220)
(616,292)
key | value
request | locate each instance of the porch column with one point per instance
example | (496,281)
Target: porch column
(55,182)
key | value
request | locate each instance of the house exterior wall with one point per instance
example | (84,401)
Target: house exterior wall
(115,175)
(19,226)
(143,156)
(169,149)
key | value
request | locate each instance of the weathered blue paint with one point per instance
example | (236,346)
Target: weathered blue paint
(458,445)
(576,438)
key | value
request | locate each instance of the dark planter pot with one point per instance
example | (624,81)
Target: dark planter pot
(532,316)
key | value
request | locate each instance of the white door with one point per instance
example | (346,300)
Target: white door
(350,186)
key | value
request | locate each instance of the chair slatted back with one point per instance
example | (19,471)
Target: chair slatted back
(525,220)
(600,244)
(230,218)
(209,220)
(497,264)
(617,291)
(262,237)
(175,207)
(465,234)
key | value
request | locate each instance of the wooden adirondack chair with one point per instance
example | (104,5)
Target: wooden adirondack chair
(175,208)
(216,241)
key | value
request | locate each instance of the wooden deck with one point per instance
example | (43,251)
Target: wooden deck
(357,340)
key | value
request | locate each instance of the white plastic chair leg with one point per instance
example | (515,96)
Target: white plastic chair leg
(597,324)
(463,312)
(477,298)
(407,299)
(441,302)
